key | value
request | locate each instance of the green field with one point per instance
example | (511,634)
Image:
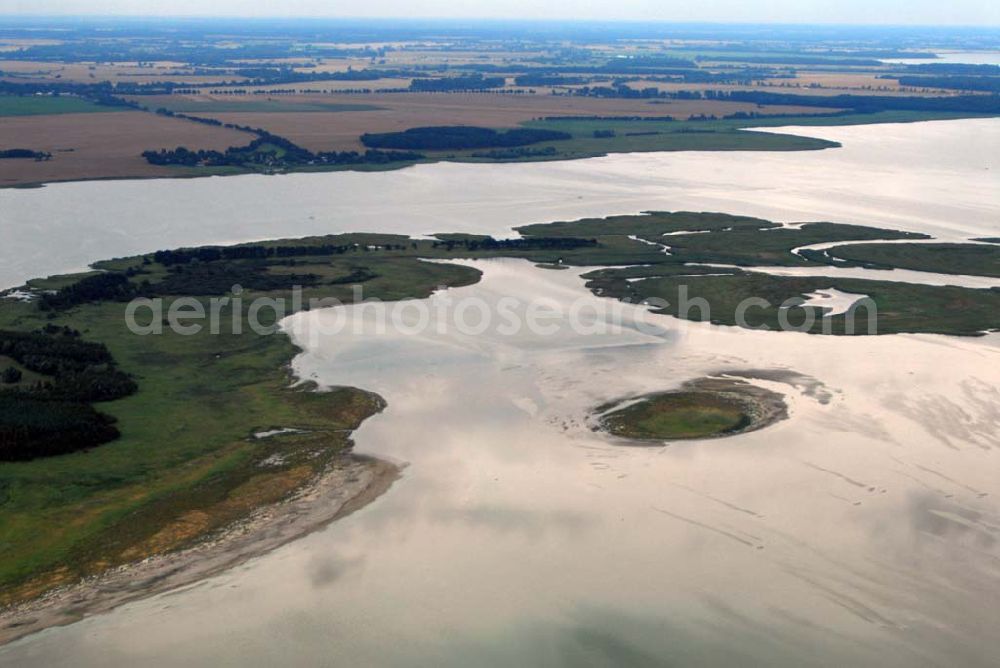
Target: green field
(41,105)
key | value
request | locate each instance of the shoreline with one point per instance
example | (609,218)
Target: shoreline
(392,167)
(348,484)
(804,121)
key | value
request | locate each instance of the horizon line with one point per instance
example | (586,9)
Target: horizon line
(497,19)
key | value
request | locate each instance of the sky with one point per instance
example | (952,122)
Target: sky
(897,12)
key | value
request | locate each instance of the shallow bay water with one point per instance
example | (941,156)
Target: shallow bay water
(863,530)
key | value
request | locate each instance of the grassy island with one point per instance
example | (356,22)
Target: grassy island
(705,408)
(972,259)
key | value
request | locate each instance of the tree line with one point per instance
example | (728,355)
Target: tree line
(197,278)
(55,416)
(986,84)
(169,258)
(527,244)
(459,83)
(271,150)
(459,137)
(24,153)
(985,104)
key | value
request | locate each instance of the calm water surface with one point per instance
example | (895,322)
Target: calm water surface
(953,57)
(861,531)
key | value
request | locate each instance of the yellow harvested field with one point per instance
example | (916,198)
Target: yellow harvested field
(340,131)
(840,80)
(323,86)
(105,145)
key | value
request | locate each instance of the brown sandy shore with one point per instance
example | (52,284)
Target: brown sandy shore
(349,483)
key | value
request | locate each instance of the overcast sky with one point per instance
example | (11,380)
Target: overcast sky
(932,12)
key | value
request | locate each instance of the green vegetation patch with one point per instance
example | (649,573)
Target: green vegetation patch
(269,153)
(677,282)
(185,462)
(49,411)
(23,154)
(460,137)
(703,408)
(709,237)
(593,137)
(745,245)
(601,136)
(677,415)
(39,105)
(762,301)
(969,259)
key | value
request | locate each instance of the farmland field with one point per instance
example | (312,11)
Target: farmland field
(105,145)
(16,105)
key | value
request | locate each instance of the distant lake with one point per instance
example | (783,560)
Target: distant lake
(954,57)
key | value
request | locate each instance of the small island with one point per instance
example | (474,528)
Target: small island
(703,408)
